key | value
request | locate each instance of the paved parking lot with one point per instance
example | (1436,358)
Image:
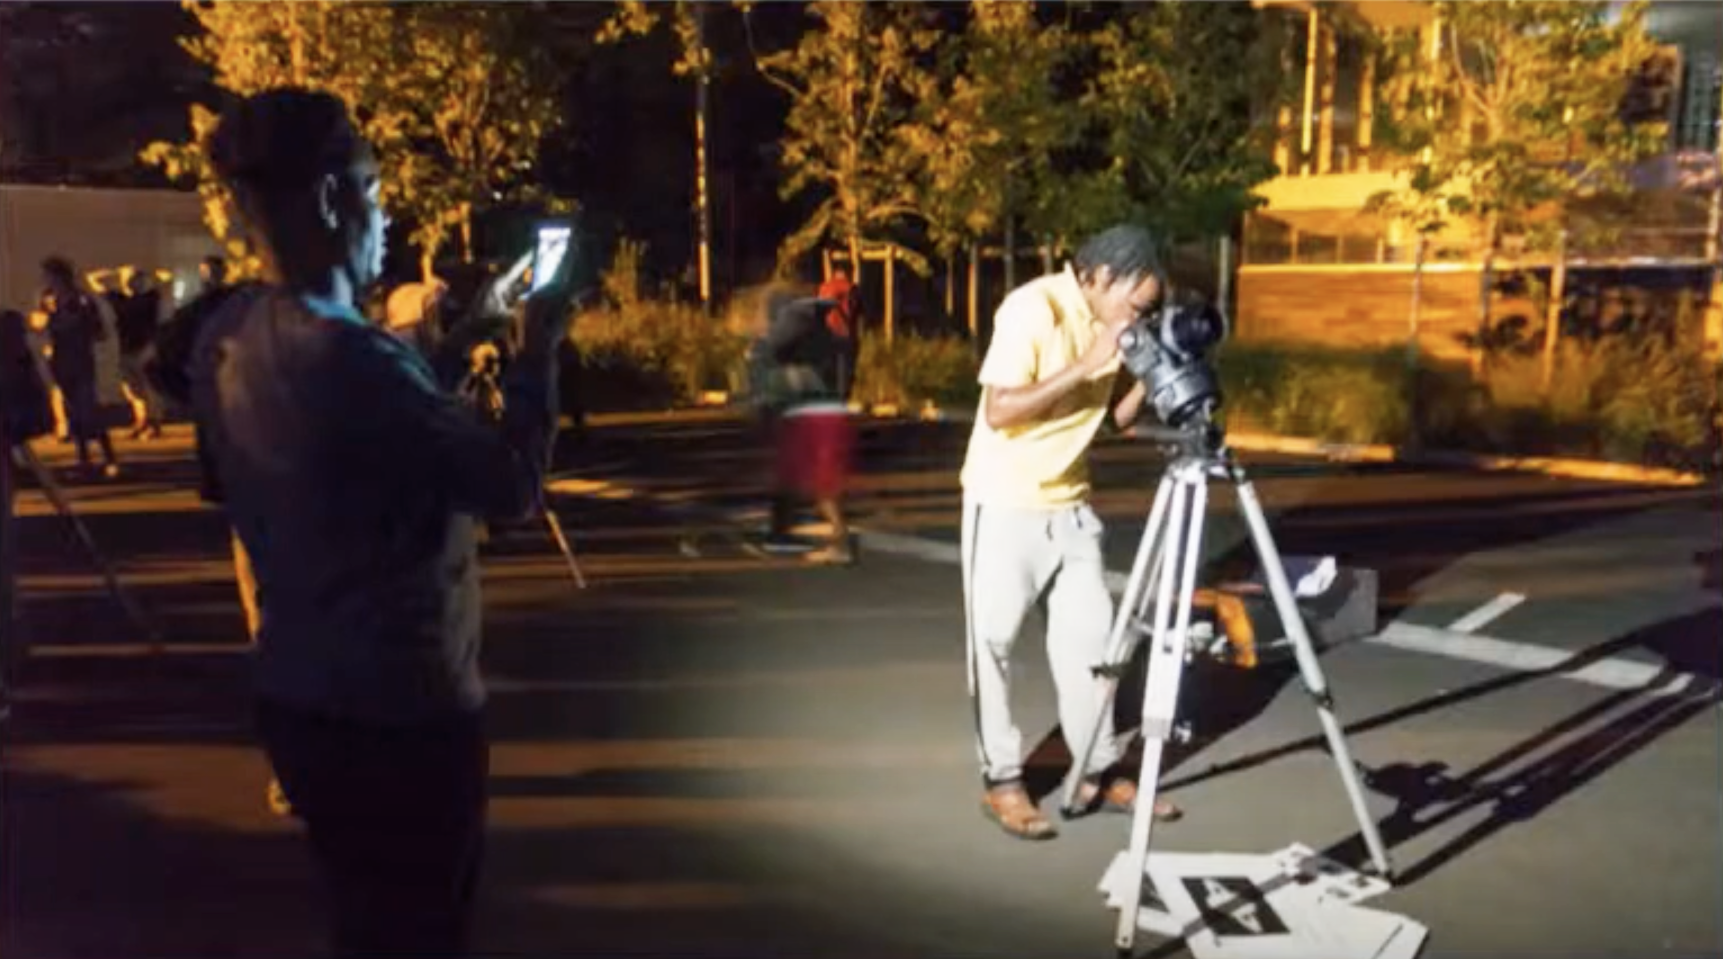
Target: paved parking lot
(712,755)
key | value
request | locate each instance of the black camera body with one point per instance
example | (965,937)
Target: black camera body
(1168,350)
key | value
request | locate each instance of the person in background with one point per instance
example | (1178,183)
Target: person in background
(842,320)
(212,273)
(74,328)
(137,305)
(798,363)
(42,347)
(360,528)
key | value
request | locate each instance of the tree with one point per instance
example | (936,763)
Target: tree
(443,91)
(1512,115)
(1180,120)
(987,143)
(853,82)
(319,45)
(635,18)
(479,101)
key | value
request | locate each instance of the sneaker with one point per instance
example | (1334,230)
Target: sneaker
(779,544)
(835,555)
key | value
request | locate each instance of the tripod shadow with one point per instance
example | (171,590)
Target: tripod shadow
(1428,796)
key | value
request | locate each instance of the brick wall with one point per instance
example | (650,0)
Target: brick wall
(1367,308)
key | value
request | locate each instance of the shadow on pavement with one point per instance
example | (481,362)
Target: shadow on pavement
(108,878)
(1428,796)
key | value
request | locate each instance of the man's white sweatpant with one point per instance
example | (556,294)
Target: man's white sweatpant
(1011,556)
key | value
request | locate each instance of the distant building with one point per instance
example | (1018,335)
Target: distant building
(1315,264)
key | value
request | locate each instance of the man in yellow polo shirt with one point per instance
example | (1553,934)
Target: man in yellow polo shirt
(1048,381)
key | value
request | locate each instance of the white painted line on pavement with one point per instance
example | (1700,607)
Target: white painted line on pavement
(1484,615)
(1450,643)
(930,550)
(1456,642)
(1608,672)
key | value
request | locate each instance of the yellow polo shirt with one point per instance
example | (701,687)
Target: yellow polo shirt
(1041,328)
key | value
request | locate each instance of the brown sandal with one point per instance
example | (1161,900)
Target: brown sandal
(1008,805)
(1119,795)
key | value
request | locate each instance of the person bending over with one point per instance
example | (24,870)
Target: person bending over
(1029,534)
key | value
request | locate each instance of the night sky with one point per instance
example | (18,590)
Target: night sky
(84,86)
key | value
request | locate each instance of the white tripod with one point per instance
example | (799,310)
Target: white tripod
(1172,545)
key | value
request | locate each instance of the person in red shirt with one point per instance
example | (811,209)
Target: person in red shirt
(841,319)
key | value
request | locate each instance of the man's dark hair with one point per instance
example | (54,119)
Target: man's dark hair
(1126,251)
(60,269)
(282,141)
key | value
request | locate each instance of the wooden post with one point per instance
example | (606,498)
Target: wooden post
(975,291)
(951,284)
(1552,315)
(826,265)
(890,293)
(1413,321)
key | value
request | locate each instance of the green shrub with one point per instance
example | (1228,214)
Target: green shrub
(653,355)
(1647,399)
(912,371)
(1347,396)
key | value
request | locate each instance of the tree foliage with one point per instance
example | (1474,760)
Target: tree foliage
(448,94)
(1179,114)
(1542,85)
(854,82)
(636,18)
(986,144)
(481,99)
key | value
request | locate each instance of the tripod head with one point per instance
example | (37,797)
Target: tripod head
(1200,437)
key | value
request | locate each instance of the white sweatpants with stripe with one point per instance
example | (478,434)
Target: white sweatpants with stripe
(1011,558)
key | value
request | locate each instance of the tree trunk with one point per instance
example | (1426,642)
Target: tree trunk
(1486,282)
(1414,320)
(702,199)
(1010,249)
(1552,321)
(975,293)
(466,233)
(855,260)
(890,293)
(950,284)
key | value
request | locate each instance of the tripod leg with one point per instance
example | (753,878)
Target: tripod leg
(1123,640)
(1161,693)
(63,506)
(1315,683)
(556,533)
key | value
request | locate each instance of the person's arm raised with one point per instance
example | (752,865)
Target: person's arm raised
(1014,397)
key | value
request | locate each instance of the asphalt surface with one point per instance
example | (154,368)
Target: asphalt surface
(705,755)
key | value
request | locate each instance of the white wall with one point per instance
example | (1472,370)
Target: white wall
(97,228)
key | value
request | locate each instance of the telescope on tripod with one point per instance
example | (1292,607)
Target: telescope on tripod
(1167,351)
